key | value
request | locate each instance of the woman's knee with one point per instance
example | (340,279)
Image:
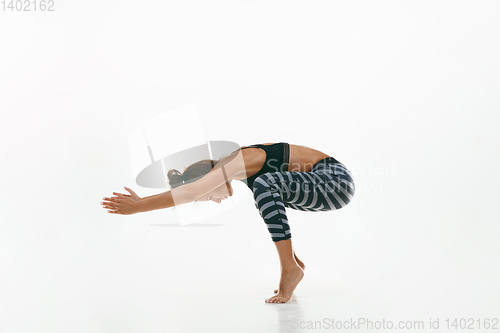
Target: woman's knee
(263,182)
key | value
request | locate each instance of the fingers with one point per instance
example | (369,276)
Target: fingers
(109,200)
(110,203)
(113,199)
(118,204)
(121,194)
(112,207)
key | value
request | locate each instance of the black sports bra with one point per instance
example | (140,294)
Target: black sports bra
(277,160)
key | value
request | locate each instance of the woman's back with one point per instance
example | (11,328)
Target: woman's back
(273,157)
(300,158)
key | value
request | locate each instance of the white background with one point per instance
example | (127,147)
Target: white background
(404,93)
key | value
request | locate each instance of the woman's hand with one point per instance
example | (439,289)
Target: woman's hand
(121,204)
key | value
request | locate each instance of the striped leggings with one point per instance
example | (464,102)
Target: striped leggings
(328,186)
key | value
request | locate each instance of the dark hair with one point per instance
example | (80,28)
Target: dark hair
(191,174)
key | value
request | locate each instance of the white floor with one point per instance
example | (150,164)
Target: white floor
(145,274)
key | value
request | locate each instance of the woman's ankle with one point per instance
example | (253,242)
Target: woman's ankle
(289,267)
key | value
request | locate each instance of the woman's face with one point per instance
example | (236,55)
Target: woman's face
(219,194)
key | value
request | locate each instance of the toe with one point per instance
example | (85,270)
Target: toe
(271,299)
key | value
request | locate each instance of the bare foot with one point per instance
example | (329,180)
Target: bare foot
(288,282)
(301,264)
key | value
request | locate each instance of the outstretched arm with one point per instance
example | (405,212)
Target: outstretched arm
(171,198)
(109,203)
(155,195)
(125,205)
(223,172)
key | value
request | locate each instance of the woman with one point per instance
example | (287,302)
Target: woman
(279,174)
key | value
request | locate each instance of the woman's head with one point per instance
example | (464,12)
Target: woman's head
(195,172)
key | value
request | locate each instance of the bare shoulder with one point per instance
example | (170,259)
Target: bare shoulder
(247,161)
(234,164)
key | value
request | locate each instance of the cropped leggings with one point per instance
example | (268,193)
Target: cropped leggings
(328,186)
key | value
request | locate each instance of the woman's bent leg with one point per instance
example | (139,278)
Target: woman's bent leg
(326,187)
